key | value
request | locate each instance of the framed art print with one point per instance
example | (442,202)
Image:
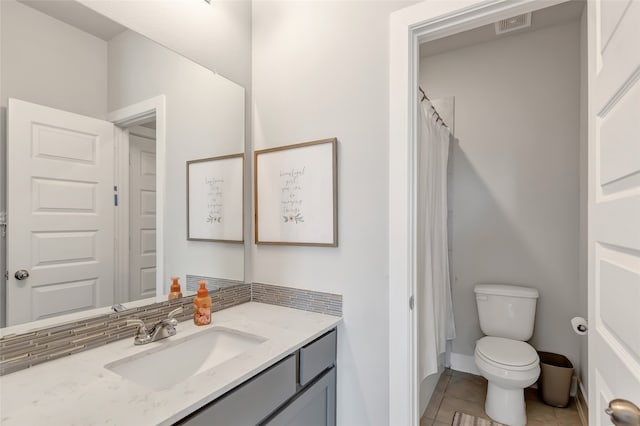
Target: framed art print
(215,199)
(296,194)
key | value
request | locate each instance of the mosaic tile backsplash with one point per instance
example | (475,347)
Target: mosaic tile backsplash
(21,351)
(24,350)
(307,300)
(213,284)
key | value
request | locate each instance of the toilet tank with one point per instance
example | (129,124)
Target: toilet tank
(506,310)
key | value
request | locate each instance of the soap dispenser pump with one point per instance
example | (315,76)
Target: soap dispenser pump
(202,306)
(175,293)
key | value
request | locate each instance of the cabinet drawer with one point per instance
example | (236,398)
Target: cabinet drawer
(252,401)
(317,356)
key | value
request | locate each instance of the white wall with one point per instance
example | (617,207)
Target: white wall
(36,53)
(320,69)
(205,118)
(515,192)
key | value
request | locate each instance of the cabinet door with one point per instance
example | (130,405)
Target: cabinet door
(314,406)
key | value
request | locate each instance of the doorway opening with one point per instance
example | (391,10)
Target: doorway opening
(436,23)
(140,182)
(140,185)
(516,182)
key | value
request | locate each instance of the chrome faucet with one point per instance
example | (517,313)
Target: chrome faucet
(163,329)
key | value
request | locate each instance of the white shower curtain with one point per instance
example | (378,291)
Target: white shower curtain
(435,311)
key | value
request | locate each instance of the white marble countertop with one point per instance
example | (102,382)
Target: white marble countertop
(78,390)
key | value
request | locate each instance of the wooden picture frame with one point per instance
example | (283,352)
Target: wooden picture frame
(296,194)
(215,199)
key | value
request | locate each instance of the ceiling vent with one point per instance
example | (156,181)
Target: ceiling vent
(514,23)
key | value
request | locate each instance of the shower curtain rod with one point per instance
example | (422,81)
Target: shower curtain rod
(424,96)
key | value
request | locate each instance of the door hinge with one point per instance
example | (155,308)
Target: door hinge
(411,302)
(6,275)
(3,223)
(115,196)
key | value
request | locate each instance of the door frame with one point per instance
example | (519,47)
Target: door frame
(425,21)
(123,118)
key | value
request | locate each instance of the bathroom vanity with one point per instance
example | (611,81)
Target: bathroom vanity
(299,390)
(257,364)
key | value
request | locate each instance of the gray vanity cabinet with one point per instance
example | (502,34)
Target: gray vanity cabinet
(300,390)
(250,402)
(314,406)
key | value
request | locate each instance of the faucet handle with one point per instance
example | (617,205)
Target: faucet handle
(170,320)
(142,328)
(142,334)
(175,312)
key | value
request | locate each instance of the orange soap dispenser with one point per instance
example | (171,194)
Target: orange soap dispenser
(175,289)
(202,306)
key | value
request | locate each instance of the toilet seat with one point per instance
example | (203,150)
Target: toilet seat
(506,353)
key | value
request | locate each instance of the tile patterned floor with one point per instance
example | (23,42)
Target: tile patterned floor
(457,391)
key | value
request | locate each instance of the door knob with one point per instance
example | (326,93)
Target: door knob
(623,413)
(21,274)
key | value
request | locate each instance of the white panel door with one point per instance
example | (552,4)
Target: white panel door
(142,216)
(60,212)
(614,205)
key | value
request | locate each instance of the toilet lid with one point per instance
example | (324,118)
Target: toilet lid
(506,351)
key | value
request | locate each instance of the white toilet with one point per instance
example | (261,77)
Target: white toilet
(503,357)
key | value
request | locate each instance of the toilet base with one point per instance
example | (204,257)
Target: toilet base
(506,405)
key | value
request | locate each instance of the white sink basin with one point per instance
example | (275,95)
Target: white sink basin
(173,360)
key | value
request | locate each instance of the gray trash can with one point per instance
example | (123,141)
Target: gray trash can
(554,383)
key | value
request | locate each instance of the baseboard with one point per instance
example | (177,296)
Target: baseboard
(427,388)
(581,404)
(464,363)
(573,391)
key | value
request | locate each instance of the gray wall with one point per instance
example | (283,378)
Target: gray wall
(217,36)
(205,118)
(583,373)
(515,189)
(49,62)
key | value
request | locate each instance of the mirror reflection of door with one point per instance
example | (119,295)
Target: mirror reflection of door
(60,212)
(142,211)
(61,204)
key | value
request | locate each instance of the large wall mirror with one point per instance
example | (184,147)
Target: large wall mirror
(70,80)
